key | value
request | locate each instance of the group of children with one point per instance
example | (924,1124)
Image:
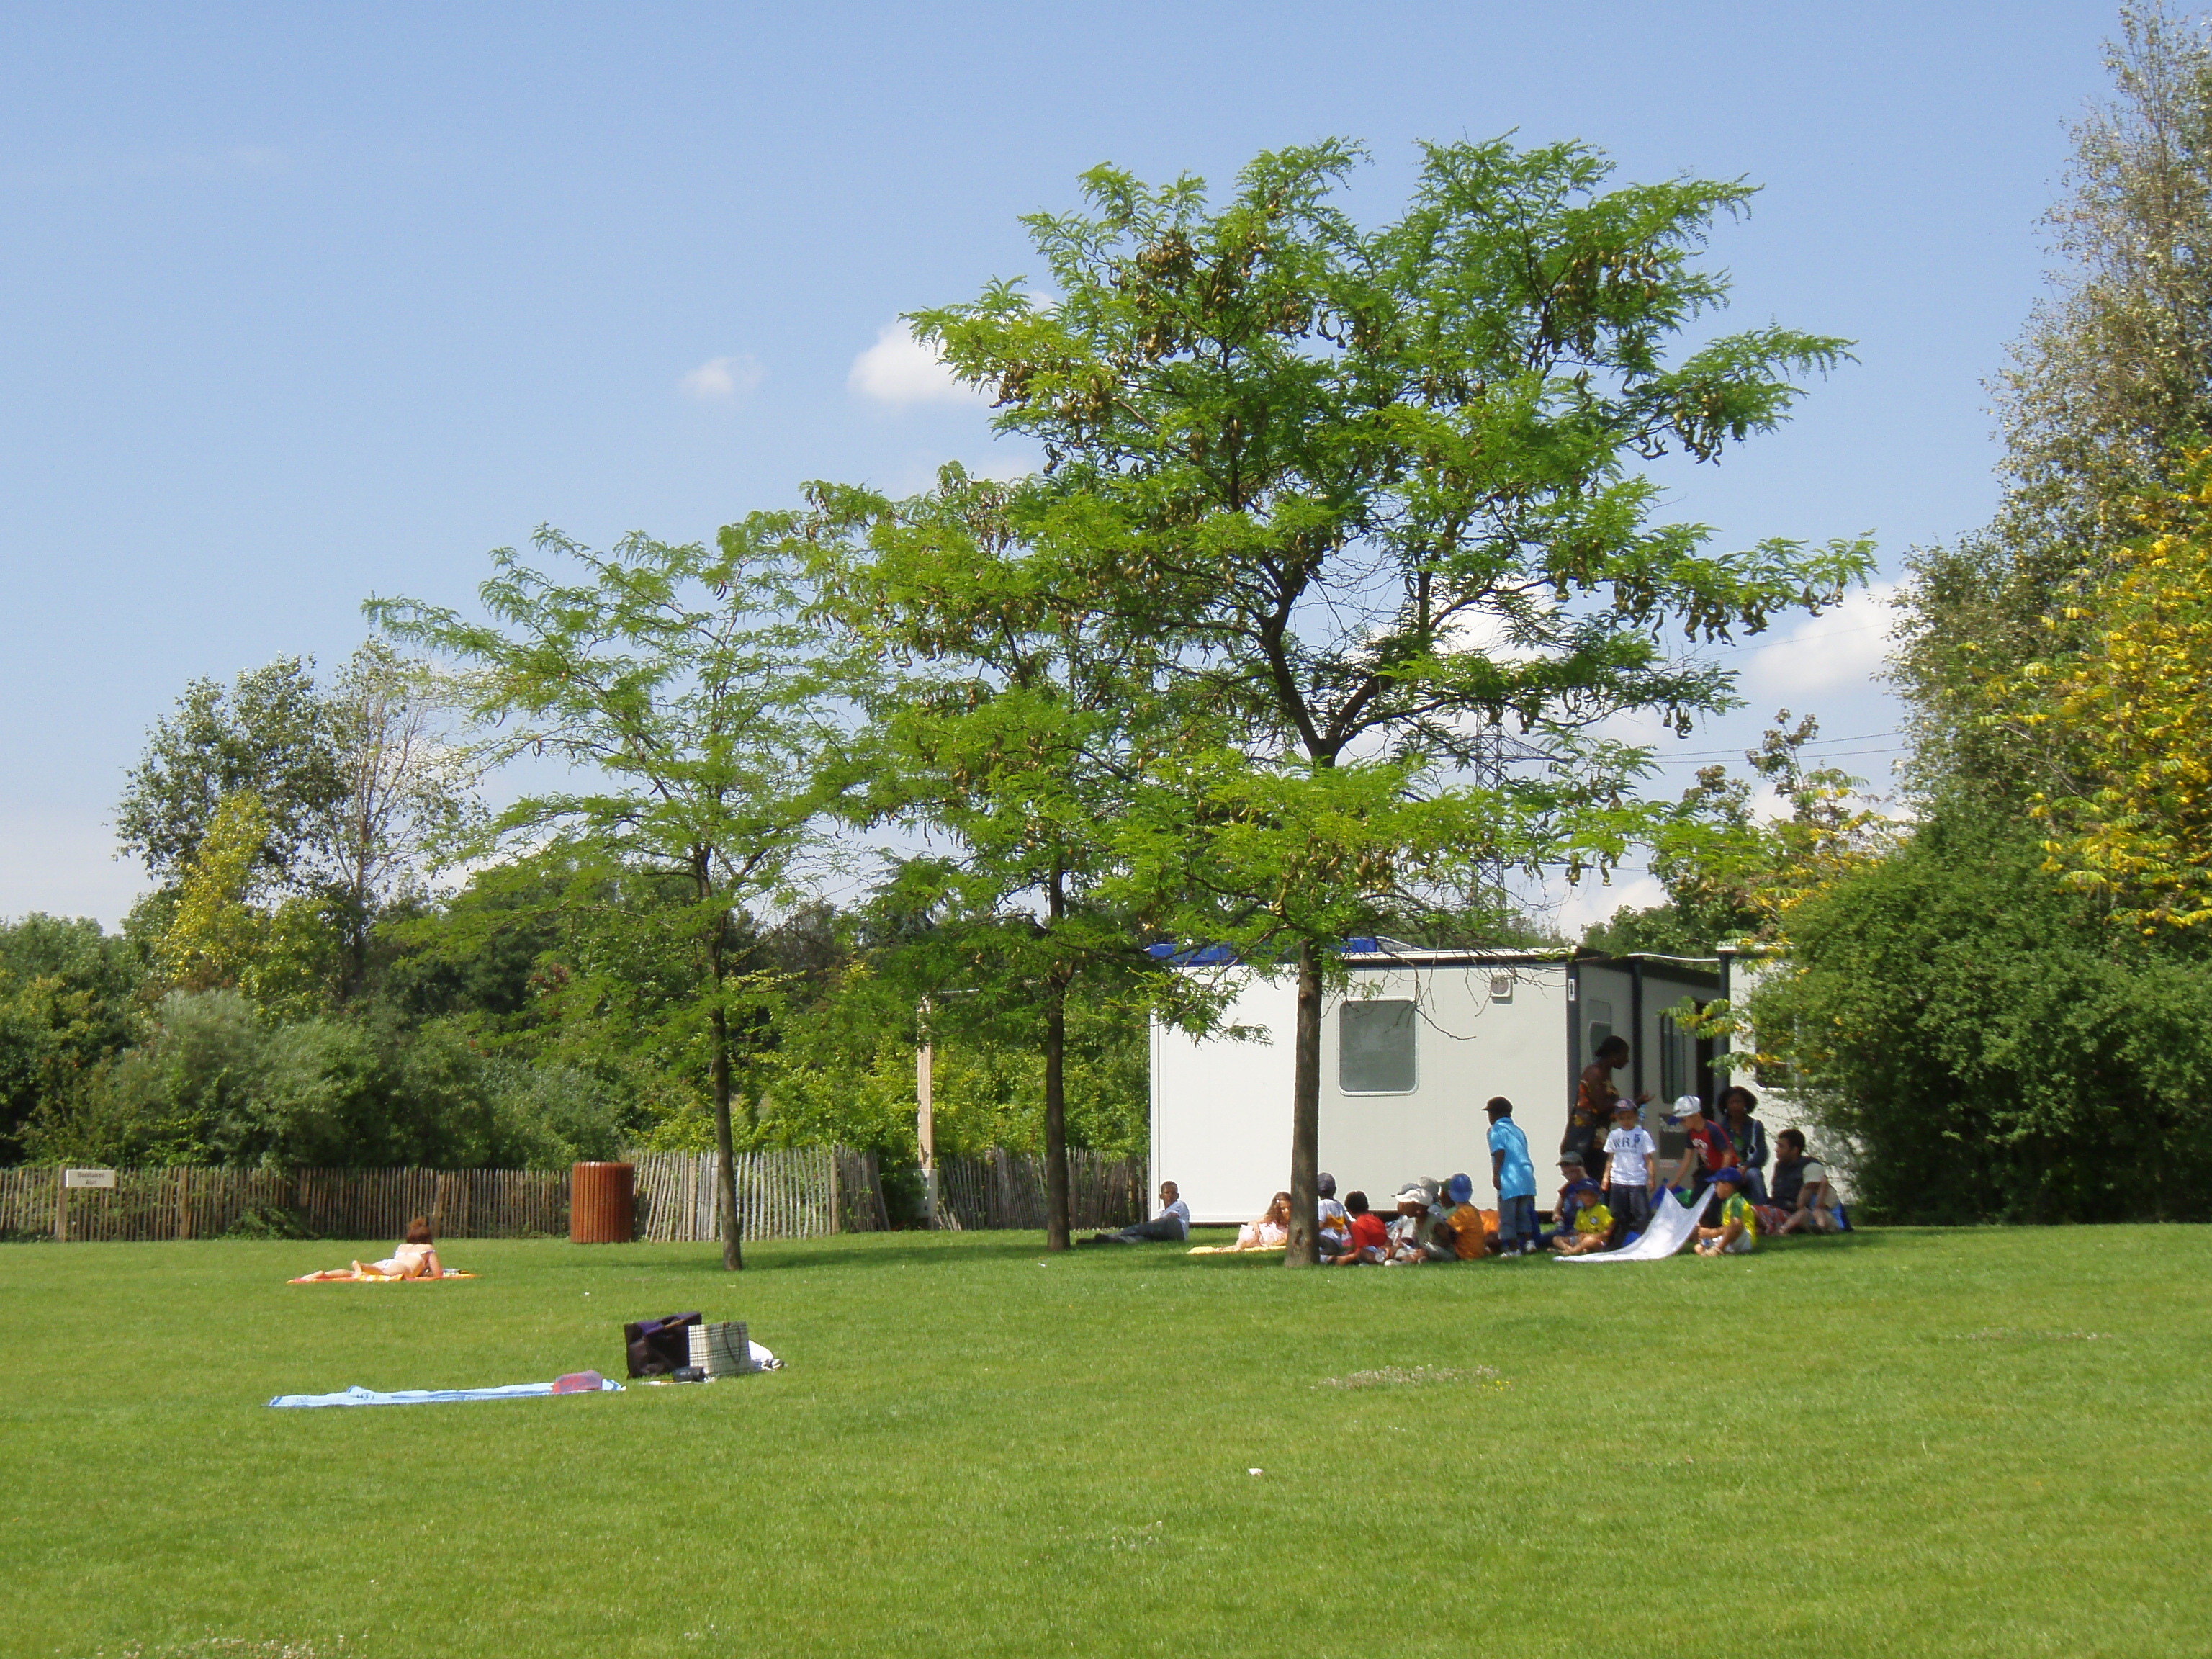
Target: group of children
(1607,1190)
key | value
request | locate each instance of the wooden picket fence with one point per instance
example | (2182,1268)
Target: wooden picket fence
(798,1191)
(1002,1190)
(375,1204)
(793,1192)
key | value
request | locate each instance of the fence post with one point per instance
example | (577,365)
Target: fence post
(61,1209)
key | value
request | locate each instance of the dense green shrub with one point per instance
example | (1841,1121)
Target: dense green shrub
(1991,1046)
(66,1004)
(218,1083)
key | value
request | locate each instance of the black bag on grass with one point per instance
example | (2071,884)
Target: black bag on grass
(658,1346)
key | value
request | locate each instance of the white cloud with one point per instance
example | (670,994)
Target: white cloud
(721,380)
(899,369)
(1846,645)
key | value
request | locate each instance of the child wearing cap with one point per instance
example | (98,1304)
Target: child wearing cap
(1470,1239)
(1406,1245)
(1516,1178)
(1631,1172)
(1368,1239)
(1593,1222)
(1739,1228)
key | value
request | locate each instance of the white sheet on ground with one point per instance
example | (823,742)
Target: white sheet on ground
(1671,1224)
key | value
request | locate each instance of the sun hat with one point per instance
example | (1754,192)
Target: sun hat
(1727,1172)
(1411,1193)
(1687,1104)
(1581,1187)
(1623,1103)
(1325,1184)
(1571,1160)
(1459,1189)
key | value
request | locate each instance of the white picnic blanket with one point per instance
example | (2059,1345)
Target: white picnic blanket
(1671,1224)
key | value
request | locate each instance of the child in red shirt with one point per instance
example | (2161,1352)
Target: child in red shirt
(1370,1239)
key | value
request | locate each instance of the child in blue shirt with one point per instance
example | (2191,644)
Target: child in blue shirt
(1517,1181)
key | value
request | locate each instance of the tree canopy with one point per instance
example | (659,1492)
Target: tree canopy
(1376,488)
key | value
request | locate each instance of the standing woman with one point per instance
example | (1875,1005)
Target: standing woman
(1748,1136)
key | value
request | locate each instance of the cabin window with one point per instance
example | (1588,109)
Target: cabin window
(1374,1052)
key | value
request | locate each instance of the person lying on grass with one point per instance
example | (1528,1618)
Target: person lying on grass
(415,1258)
(1593,1222)
(1368,1240)
(1270,1231)
(1171,1226)
(1739,1228)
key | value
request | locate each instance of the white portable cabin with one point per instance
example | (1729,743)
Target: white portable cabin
(1409,1056)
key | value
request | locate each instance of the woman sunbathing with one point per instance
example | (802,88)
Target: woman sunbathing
(1270,1232)
(415,1258)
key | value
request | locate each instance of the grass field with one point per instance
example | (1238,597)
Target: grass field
(1964,1443)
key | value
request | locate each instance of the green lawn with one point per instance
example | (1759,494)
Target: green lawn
(1907,1441)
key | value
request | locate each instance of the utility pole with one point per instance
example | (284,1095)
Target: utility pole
(924,1117)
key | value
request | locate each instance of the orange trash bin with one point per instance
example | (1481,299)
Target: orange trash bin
(601,1203)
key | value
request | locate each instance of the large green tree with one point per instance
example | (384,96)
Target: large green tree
(1378,489)
(695,714)
(2109,384)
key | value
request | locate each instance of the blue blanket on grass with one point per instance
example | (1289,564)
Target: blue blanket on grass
(357,1395)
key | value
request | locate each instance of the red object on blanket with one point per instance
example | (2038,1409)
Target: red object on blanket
(578,1382)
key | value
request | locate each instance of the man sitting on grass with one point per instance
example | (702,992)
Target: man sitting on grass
(1171,1226)
(1813,1209)
(1739,1228)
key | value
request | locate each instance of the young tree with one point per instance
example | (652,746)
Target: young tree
(1731,873)
(680,684)
(1024,730)
(1376,487)
(401,791)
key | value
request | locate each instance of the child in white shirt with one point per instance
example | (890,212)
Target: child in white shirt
(1631,1171)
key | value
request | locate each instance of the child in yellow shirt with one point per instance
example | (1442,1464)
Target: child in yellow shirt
(1593,1221)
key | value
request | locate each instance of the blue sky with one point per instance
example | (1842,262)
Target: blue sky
(308,302)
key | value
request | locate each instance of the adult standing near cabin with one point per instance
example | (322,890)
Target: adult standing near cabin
(1591,1119)
(1516,1178)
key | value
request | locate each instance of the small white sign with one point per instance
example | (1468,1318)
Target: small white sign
(87,1177)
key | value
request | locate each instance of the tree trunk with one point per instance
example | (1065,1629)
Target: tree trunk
(1056,1227)
(1303,1249)
(725,1160)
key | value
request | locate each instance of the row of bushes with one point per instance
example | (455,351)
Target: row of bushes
(215,1083)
